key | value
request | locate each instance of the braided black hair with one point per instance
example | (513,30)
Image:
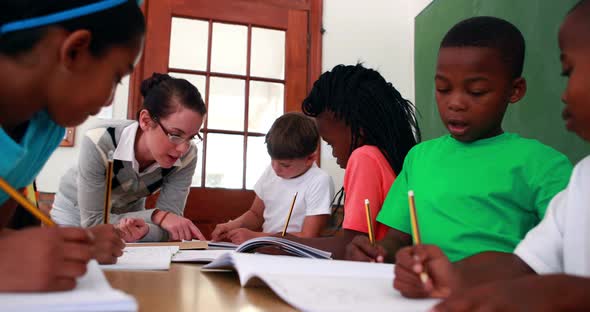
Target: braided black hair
(365,101)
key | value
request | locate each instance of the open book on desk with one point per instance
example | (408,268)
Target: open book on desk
(143,258)
(92,293)
(184,245)
(198,256)
(290,247)
(319,285)
(249,246)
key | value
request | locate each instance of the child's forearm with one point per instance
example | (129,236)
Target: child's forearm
(249,220)
(489,266)
(393,241)
(575,292)
(334,244)
(6,212)
(302,234)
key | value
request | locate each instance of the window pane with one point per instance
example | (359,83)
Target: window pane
(268,53)
(257,159)
(224,160)
(266,105)
(188,44)
(229,49)
(198,81)
(199,169)
(227,98)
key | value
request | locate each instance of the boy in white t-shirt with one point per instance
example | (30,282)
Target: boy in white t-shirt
(292,143)
(550,269)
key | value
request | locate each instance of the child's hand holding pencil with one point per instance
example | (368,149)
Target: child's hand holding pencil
(361,249)
(411,262)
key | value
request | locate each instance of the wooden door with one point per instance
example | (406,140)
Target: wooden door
(252,60)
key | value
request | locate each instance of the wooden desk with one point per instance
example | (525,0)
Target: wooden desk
(185,288)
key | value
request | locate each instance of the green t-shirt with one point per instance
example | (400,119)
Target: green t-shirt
(479,196)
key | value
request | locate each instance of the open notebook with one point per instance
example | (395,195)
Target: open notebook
(198,256)
(290,247)
(143,258)
(320,285)
(93,293)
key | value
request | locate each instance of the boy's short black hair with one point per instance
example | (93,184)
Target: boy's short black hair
(580,4)
(292,136)
(490,32)
(119,25)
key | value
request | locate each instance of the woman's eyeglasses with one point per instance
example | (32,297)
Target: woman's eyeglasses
(176,139)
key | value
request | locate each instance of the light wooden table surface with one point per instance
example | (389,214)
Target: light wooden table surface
(185,288)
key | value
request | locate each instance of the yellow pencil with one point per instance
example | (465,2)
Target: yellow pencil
(415,229)
(25,203)
(289,215)
(369,223)
(109,184)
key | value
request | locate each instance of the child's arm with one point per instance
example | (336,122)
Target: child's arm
(312,226)
(6,212)
(107,243)
(251,220)
(445,278)
(334,244)
(531,293)
(360,249)
(43,259)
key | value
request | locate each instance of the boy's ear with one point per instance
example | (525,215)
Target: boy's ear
(518,89)
(74,48)
(311,158)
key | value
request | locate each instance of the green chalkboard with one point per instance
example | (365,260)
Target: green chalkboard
(538,115)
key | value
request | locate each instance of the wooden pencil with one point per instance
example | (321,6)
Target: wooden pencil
(109,184)
(415,229)
(371,232)
(289,215)
(25,203)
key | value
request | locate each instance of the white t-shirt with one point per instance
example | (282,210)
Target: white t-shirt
(315,191)
(561,242)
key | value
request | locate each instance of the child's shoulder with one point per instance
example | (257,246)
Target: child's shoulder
(431,144)
(317,173)
(367,151)
(583,167)
(534,148)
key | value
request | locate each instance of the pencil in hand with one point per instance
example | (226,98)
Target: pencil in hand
(109,184)
(25,203)
(370,230)
(289,215)
(415,229)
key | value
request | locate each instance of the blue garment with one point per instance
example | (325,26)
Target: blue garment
(21,162)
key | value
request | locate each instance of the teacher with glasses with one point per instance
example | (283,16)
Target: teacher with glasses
(158,152)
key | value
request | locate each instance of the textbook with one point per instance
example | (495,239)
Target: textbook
(143,258)
(184,245)
(290,247)
(92,294)
(198,256)
(320,285)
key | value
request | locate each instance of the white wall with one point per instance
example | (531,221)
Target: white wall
(65,157)
(379,33)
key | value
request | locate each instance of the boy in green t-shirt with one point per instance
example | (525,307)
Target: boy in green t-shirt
(477,188)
